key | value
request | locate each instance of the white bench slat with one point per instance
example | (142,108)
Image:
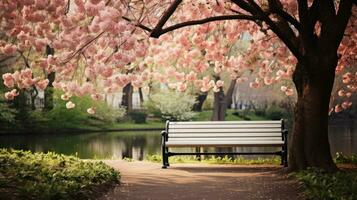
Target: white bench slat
(223,143)
(225,126)
(226,122)
(171,131)
(225,138)
(189,135)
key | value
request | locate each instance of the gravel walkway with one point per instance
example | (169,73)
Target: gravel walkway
(145,180)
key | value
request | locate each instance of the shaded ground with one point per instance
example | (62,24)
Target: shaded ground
(144,180)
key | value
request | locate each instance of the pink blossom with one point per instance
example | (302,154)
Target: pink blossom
(289,92)
(9,49)
(254,85)
(70,105)
(11,95)
(191,76)
(219,83)
(91,110)
(96,97)
(341,93)
(66,96)
(215,89)
(268,80)
(283,88)
(42,84)
(338,108)
(107,72)
(9,80)
(346,78)
(181,87)
(346,104)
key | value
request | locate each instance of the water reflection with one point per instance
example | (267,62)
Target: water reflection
(137,145)
(113,145)
(343,138)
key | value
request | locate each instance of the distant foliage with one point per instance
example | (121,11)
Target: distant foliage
(139,117)
(172,105)
(26,175)
(103,112)
(274,113)
(7,114)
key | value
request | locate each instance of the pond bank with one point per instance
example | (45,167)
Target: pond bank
(144,180)
(74,131)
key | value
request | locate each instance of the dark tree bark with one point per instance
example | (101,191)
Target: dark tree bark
(219,106)
(127,99)
(229,94)
(309,141)
(141,96)
(48,97)
(200,99)
(221,101)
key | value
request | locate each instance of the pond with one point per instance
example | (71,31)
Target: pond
(139,144)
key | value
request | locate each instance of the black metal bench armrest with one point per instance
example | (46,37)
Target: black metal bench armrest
(163,133)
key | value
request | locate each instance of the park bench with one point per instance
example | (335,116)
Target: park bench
(225,134)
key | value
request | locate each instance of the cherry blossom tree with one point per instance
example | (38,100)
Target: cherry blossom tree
(320,38)
(94,46)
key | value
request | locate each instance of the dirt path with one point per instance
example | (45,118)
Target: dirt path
(144,180)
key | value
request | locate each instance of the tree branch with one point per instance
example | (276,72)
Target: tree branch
(281,29)
(82,48)
(203,21)
(138,25)
(276,7)
(167,14)
(343,15)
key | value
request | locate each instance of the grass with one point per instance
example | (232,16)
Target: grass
(240,160)
(26,175)
(77,121)
(319,184)
(205,115)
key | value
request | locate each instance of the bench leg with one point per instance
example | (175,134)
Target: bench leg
(285,158)
(165,157)
(198,156)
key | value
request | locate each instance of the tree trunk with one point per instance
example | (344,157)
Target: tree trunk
(127,99)
(309,140)
(229,94)
(221,101)
(200,98)
(48,96)
(141,96)
(219,106)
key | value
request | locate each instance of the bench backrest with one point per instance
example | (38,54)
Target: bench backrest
(225,130)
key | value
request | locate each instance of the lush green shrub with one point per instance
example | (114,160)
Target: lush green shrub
(138,117)
(79,112)
(260,112)
(274,113)
(26,175)
(7,114)
(172,105)
(320,184)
